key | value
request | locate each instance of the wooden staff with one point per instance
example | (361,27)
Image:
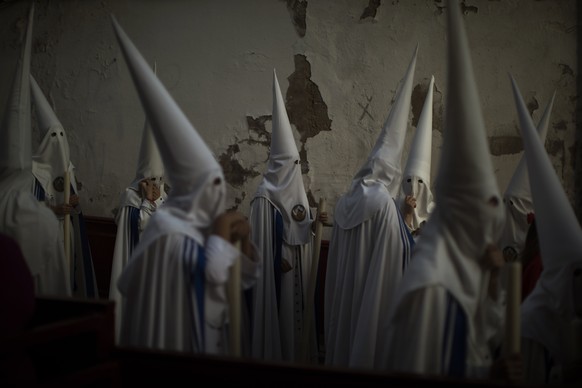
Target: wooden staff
(309,306)
(67,221)
(513,309)
(234,293)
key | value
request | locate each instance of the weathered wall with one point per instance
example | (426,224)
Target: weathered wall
(338,62)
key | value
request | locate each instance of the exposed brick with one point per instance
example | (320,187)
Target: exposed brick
(371,9)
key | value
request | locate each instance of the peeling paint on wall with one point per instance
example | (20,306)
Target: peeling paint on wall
(572,150)
(371,9)
(234,172)
(298,11)
(561,125)
(305,106)
(566,70)
(417,103)
(554,147)
(440,7)
(532,105)
(258,134)
(468,8)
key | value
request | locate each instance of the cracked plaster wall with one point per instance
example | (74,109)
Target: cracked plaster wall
(338,62)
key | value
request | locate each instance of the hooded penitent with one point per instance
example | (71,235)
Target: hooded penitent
(281,229)
(22,217)
(369,248)
(416,175)
(173,285)
(52,157)
(517,197)
(135,212)
(468,216)
(197,181)
(382,171)
(282,183)
(548,312)
(48,167)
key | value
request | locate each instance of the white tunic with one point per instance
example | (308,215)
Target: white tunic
(82,272)
(364,267)
(430,334)
(442,276)
(278,298)
(131,220)
(36,230)
(174,294)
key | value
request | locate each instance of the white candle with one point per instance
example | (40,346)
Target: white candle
(513,309)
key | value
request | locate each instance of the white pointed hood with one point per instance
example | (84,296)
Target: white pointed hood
(416,175)
(463,222)
(382,171)
(15,128)
(282,183)
(53,156)
(197,181)
(549,309)
(517,197)
(21,214)
(149,162)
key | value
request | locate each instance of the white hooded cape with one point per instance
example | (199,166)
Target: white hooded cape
(442,321)
(551,315)
(134,213)
(49,163)
(369,248)
(31,224)
(416,175)
(173,287)
(517,197)
(278,298)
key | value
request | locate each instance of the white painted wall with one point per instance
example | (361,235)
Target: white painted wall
(216,58)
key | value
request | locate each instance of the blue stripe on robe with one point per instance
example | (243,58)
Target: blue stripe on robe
(407,240)
(195,276)
(277,252)
(455,340)
(38,191)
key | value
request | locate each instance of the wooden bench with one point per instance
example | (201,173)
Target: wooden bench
(67,342)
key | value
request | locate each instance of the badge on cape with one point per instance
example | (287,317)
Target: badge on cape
(59,184)
(298,213)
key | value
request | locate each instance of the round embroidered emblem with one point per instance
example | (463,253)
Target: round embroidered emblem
(298,212)
(59,184)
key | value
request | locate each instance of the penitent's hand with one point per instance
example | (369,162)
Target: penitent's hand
(493,260)
(74,200)
(234,226)
(409,204)
(149,190)
(62,209)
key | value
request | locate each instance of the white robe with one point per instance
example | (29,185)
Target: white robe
(277,308)
(441,281)
(430,334)
(36,230)
(82,272)
(174,295)
(364,267)
(131,220)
